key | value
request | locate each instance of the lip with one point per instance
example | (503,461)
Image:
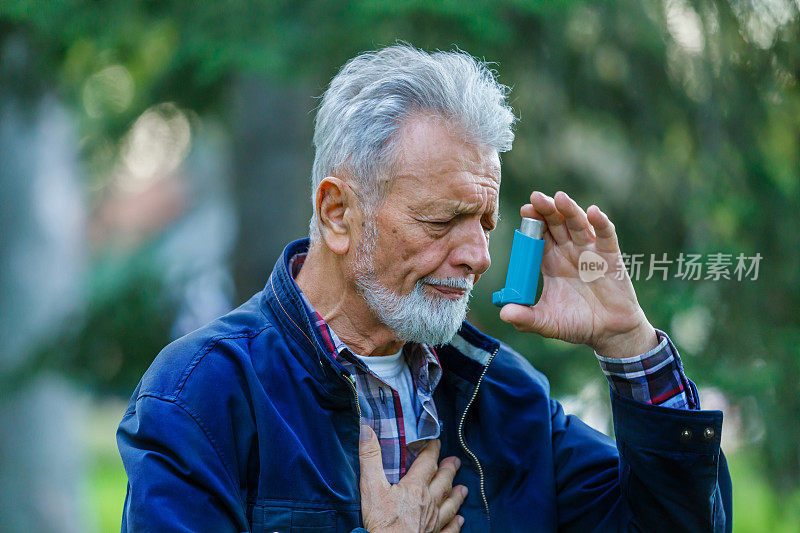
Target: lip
(451,293)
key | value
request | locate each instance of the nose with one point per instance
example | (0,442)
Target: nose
(471,249)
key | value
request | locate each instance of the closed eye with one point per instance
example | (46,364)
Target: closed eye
(440,223)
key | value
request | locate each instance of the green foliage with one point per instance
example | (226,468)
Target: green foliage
(108,345)
(756,507)
(126,323)
(108,482)
(682,122)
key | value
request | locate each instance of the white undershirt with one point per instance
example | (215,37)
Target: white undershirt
(393,370)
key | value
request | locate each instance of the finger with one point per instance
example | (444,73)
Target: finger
(580,231)
(425,465)
(448,510)
(546,206)
(528,211)
(604,229)
(442,482)
(530,319)
(454,526)
(369,456)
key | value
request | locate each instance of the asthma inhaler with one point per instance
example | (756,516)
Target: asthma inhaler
(522,279)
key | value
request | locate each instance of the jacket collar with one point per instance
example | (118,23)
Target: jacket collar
(282,296)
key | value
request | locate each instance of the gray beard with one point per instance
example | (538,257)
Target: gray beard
(417,317)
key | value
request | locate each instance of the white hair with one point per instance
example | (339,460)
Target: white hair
(365,105)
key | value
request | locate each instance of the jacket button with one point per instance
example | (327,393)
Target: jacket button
(686,435)
(709,433)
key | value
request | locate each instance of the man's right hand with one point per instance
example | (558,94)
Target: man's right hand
(423,501)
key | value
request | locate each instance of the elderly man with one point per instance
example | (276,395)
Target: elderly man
(324,402)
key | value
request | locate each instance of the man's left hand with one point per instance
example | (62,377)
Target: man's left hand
(603,313)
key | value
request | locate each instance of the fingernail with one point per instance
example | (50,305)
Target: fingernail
(457,463)
(464,491)
(460,520)
(364,435)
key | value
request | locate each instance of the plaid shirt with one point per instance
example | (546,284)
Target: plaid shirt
(380,403)
(655,377)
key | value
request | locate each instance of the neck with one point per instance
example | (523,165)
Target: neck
(335,297)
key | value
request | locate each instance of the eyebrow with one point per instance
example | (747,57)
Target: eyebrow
(450,208)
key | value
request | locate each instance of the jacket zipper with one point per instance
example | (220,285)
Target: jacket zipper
(464,444)
(352,381)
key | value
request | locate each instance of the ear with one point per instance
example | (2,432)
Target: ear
(337,213)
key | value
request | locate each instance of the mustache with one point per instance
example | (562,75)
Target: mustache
(456,283)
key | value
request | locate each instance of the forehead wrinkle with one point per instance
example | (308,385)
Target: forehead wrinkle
(465,184)
(456,207)
(487,174)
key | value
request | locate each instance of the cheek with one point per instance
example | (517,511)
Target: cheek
(398,245)
(403,242)
(431,257)
(416,254)
(405,246)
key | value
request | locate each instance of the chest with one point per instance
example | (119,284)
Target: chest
(303,468)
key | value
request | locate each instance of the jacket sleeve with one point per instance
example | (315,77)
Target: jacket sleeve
(177,478)
(666,472)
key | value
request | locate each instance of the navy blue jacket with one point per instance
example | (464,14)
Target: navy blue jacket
(249,424)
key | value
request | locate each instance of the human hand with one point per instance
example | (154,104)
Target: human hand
(423,501)
(603,313)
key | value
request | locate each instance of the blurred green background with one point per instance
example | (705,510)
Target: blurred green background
(155,158)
